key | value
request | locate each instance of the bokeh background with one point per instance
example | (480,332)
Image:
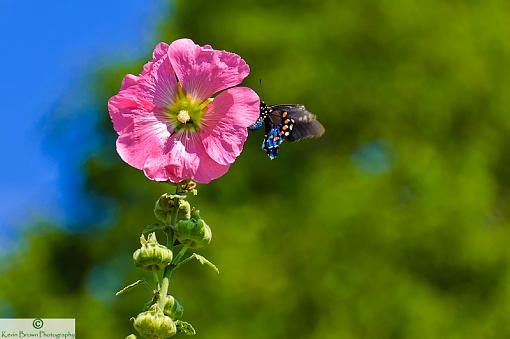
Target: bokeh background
(395,224)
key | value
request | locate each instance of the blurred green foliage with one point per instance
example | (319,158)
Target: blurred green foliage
(395,224)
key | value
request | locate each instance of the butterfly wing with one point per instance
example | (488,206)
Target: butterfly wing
(301,124)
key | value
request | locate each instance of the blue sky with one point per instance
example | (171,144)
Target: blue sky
(47,49)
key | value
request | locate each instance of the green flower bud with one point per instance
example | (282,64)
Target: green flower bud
(131,336)
(173,308)
(152,256)
(154,324)
(164,207)
(193,232)
(167,203)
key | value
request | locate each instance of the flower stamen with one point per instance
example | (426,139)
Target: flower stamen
(183,116)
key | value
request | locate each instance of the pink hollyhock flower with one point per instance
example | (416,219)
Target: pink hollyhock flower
(170,127)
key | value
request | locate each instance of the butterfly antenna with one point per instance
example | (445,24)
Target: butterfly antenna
(261,89)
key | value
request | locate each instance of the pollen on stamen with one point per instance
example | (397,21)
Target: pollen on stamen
(183,116)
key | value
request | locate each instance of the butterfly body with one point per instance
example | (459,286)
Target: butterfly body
(285,122)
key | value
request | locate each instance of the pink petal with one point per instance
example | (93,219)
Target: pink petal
(159,52)
(183,158)
(209,169)
(152,91)
(224,126)
(240,105)
(158,78)
(125,104)
(178,162)
(203,71)
(144,137)
(128,81)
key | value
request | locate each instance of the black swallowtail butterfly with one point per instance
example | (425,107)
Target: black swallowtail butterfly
(285,122)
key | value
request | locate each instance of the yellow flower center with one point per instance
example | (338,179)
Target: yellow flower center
(186,113)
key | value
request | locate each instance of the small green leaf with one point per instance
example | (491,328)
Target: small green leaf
(200,259)
(204,261)
(153,228)
(184,327)
(128,287)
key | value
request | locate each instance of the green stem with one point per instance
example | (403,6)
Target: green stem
(164,290)
(167,274)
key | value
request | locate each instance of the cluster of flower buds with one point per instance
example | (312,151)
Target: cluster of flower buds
(157,323)
(161,318)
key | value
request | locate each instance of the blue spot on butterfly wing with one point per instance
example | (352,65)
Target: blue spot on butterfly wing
(272,141)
